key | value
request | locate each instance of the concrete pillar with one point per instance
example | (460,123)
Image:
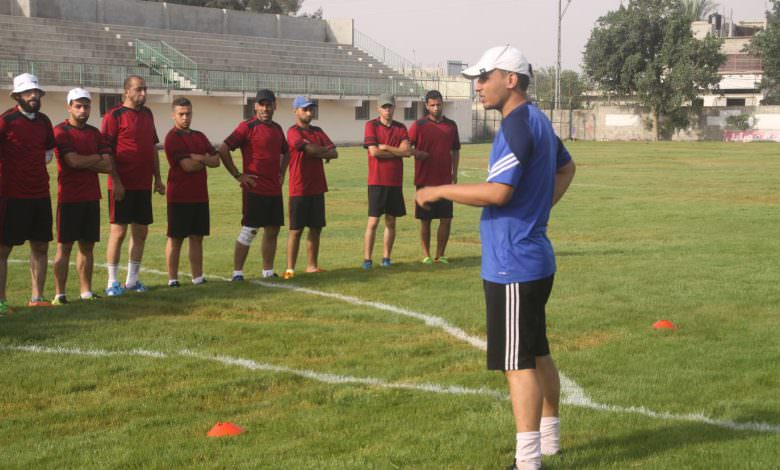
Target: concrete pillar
(166,16)
(278,27)
(225,24)
(100,13)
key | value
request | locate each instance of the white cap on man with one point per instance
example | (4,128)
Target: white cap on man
(505,58)
(26,82)
(77,94)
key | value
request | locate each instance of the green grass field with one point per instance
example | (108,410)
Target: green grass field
(684,232)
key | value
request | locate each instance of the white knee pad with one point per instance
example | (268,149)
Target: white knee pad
(246,235)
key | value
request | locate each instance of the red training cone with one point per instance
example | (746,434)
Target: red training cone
(225,429)
(664,325)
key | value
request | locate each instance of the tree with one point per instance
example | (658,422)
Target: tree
(647,50)
(573,87)
(699,9)
(283,7)
(766,45)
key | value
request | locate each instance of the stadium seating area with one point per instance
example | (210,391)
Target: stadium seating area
(64,52)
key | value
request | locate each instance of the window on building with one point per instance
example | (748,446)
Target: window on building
(411,113)
(249,108)
(361,112)
(735,101)
(108,102)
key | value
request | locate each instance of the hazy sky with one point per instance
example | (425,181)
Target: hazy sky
(430,32)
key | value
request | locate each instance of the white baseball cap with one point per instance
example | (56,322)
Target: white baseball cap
(25,82)
(77,94)
(502,57)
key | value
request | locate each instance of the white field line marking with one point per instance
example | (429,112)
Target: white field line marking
(252,365)
(571,393)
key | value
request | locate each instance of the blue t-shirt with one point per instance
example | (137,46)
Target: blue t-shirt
(526,154)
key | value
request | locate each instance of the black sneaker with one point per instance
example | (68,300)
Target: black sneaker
(174,284)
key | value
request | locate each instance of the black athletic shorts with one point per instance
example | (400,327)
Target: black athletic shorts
(516,329)
(135,208)
(441,209)
(386,200)
(25,219)
(78,222)
(262,211)
(307,211)
(188,218)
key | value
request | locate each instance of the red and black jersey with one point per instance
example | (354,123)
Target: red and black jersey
(132,137)
(77,184)
(184,186)
(439,139)
(384,171)
(262,144)
(23,146)
(307,174)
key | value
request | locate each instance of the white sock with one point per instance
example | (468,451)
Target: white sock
(59,296)
(113,270)
(198,280)
(268,272)
(87,295)
(171,281)
(132,273)
(238,273)
(550,430)
(528,453)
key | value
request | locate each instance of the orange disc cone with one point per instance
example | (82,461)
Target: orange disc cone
(664,325)
(225,429)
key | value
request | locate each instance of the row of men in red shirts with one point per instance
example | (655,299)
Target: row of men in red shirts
(126,150)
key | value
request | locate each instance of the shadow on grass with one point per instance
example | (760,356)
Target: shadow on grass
(633,448)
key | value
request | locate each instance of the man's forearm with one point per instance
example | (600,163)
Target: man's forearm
(563,178)
(479,194)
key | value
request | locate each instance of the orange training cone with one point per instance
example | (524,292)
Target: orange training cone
(664,325)
(225,429)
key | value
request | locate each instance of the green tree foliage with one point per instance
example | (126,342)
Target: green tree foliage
(699,9)
(647,50)
(573,87)
(766,44)
(284,7)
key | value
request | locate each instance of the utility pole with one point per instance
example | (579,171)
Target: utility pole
(561,12)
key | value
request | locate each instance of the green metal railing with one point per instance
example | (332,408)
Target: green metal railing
(174,67)
(113,76)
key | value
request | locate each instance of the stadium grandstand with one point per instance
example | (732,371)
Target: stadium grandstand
(218,59)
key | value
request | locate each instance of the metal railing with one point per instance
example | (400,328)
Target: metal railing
(113,76)
(173,66)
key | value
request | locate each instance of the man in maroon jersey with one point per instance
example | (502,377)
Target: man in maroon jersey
(82,153)
(26,141)
(189,152)
(129,130)
(265,157)
(309,146)
(387,142)
(436,137)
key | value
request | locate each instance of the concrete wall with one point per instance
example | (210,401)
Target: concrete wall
(340,31)
(182,17)
(5,7)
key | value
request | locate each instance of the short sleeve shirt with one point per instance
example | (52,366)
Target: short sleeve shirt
(182,186)
(384,171)
(307,174)
(262,145)
(525,155)
(133,139)
(77,184)
(438,139)
(23,146)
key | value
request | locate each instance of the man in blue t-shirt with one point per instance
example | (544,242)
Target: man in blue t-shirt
(529,171)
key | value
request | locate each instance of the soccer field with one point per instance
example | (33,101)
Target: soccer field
(351,369)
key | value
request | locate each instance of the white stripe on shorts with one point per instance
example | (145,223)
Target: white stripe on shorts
(512,340)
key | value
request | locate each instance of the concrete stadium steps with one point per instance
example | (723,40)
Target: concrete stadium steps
(67,41)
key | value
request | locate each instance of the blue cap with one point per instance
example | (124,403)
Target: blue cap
(302,102)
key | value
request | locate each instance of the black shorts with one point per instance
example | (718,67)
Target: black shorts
(188,218)
(386,200)
(25,219)
(135,208)
(262,211)
(307,211)
(516,329)
(78,222)
(441,209)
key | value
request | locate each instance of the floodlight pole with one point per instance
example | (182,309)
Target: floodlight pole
(561,12)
